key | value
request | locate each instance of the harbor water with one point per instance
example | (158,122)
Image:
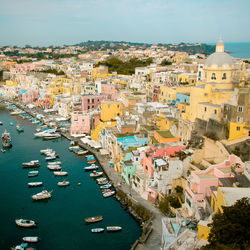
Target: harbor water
(60,220)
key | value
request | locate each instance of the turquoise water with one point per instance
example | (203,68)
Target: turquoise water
(61,219)
(238,50)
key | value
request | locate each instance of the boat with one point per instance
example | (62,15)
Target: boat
(72,148)
(6,139)
(97,230)
(108,185)
(1,123)
(33,173)
(90,159)
(11,123)
(91,167)
(114,228)
(54,163)
(95,174)
(47,150)
(49,158)
(31,164)
(94,219)
(54,167)
(42,195)
(25,223)
(22,246)
(82,152)
(35,184)
(102,181)
(3,150)
(108,194)
(46,132)
(63,183)
(60,173)
(19,128)
(31,239)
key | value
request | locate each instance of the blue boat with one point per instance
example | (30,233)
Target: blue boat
(19,128)
(90,159)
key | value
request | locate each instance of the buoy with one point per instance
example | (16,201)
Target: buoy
(79,183)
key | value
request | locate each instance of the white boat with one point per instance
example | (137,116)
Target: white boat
(25,223)
(108,194)
(54,163)
(91,167)
(47,150)
(109,185)
(49,135)
(97,230)
(60,173)
(34,163)
(49,158)
(42,195)
(33,173)
(54,167)
(41,134)
(35,184)
(74,148)
(31,239)
(63,183)
(95,174)
(114,228)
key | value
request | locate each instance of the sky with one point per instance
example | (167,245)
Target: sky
(59,22)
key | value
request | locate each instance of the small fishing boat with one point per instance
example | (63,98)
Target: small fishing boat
(31,239)
(102,181)
(42,195)
(91,167)
(54,167)
(49,158)
(44,151)
(90,159)
(114,228)
(11,123)
(3,150)
(97,230)
(35,184)
(25,223)
(108,185)
(31,164)
(94,219)
(33,173)
(73,148)
(6,139)
(60,173)
(108,194)
(63,183)
(95,174)
(54,163)
(19,128)
(1,123)
(82,152)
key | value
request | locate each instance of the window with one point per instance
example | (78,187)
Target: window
(239,119)
(88,100)
(88,107)
(240,109)
(93,106)
(205,109)
(118,106)
(108,106)
(238,128)
(98,100)
(93,100)
(224,77)
(215,111)
(213,77)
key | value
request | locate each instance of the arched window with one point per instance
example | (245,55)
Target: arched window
(213,77)
(224,77)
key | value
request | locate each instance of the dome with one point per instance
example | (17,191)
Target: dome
(219,59)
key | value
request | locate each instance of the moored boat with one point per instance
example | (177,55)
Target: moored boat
(108,194)
(94,219)
(102,181)
(90,159)
(91,167)
(108,185)
(31,164)
(63,183)
(25,223)
(42,195)
(54,163)
(97,230)
(19,128)
(114,228)
(49,158)
(60,173)
(6,139)
(54,167)
(33,173)
(31,239)
(95,174)
(44,151)
(35,184)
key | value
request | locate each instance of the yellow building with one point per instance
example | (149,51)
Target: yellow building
(189,78)
(180,57)
(11,83)
(238,130)
(109,111)
(207,110)
(167,95)
(163,122)
(101,70)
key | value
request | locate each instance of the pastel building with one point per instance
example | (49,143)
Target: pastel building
(182,98)
(128,168)
(80,124)
(199,183)
(91,101)
(107,89)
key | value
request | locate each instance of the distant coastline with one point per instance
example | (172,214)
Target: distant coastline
(237,50)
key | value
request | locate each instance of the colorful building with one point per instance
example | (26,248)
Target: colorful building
(80,124)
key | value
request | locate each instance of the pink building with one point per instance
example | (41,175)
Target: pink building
(80,124)
(25,67)
(30,96)
(199,183)
(109,90)
(160,150)
(91,101)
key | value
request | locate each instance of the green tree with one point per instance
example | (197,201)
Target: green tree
(164,205)
(231,228)
(179,190)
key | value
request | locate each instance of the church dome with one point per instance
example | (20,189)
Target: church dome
(219,59)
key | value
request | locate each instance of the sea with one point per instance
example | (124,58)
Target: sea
(237,50)
(60,220)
